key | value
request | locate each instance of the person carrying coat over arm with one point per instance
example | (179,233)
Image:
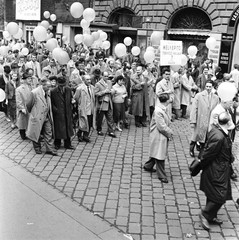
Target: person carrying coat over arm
(216,160)
(160,134)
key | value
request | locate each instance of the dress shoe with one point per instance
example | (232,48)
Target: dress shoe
(52,153)
(233,176)
(86,139)
(80,139)
(204,222)
(119,129)
(164,180)
(138,125)
(100,133)
(38,151)
(216,221)
(149,169)
(143,124)
(70,147)
(198,147)
(112,135)
(57,147)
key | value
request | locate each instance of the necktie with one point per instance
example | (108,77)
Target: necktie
(89,91)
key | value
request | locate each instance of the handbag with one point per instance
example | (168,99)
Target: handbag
(195,167)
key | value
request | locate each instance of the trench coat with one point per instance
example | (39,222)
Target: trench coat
(103,100)
(62,113)
(215,161)
(187,85)
(23,93)
(176,80)
(139,96)
(39,109)
(159,134)
(84,103)
(200,114)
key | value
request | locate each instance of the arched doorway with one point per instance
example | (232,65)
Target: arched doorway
(193,27)
(124,18)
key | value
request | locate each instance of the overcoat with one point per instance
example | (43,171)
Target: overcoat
(62,113)
(84,103)
(176,80)
(187,85)
(200,114)
(23,93)
(39,107)
(215,161)
(139,96)
(103,101)
(159,133)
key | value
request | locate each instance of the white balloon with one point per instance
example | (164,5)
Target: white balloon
(53,17)
(84,24)
(19,34)
(192,51)
(103,36)
(211,43)
(79,38)
(150,48)
(120,50)
(40,33)
(6,34)
(156,36)
(149,56)
(76,10)
(184,60)
(226,91)
(89,14)
(135,50)
(128,41)
(2,95)
(106,45)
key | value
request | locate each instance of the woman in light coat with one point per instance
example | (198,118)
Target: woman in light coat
(23,93)
(160,134)
(187,86)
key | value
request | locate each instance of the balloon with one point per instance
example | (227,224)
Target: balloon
(84,24)
(12,28)
(128,41)
(105,45)
(149,56)
(6,34)
(2,95)
(3,50)
(64,38)
(120,50)
(40,33)
(49,36)
(156,36)
(45,24)
(96,35)
(19,34)
(211,43)
(100,31)
(51,44)
(226,91)
(56,51)
(50,27)
(88,40)
(175,68)
(89,14)
(53,17)
(79,38)
(98,43)
(184,60)
(103,36)
(25,51)
(16,46)
(135,51)
(76,10)
(150,49)
(192,50)
(62,57)
(46,14)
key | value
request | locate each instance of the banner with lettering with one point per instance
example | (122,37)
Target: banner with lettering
(170,52)
(28,10)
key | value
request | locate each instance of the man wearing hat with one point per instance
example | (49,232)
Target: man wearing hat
(40,118)
(96,75)
(61,99)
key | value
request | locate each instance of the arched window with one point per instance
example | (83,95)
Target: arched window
(123,17)
(191,18)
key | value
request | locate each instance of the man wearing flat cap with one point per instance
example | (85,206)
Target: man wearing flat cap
(61,98)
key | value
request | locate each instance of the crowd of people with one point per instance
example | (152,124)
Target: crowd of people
(48,101)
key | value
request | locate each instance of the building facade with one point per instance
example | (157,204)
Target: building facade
(191,21)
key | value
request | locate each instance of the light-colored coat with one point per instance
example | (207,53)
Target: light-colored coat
(103,101)
(200,114)
(187,85)
(38,108)
(159,134)
(176,80)
(85,103)
(23,93)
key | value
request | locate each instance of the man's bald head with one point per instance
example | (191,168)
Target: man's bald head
(223,118)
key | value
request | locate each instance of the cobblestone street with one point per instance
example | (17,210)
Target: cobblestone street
(106,177)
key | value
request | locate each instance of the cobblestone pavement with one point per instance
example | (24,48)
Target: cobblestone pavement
(106,177)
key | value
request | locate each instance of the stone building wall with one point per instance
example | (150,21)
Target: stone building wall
(161,11)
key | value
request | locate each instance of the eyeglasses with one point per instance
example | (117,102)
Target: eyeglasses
(105,76)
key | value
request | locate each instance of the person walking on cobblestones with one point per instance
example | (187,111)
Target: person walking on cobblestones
(216,160)
(160,134)
(40,119)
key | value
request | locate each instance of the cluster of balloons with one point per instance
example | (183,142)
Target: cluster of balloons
(121,48)
(47,15)
(12,31)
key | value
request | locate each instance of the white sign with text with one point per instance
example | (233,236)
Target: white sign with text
(28,10)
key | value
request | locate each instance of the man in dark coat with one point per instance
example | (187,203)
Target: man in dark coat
(61,99)
(216,160)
